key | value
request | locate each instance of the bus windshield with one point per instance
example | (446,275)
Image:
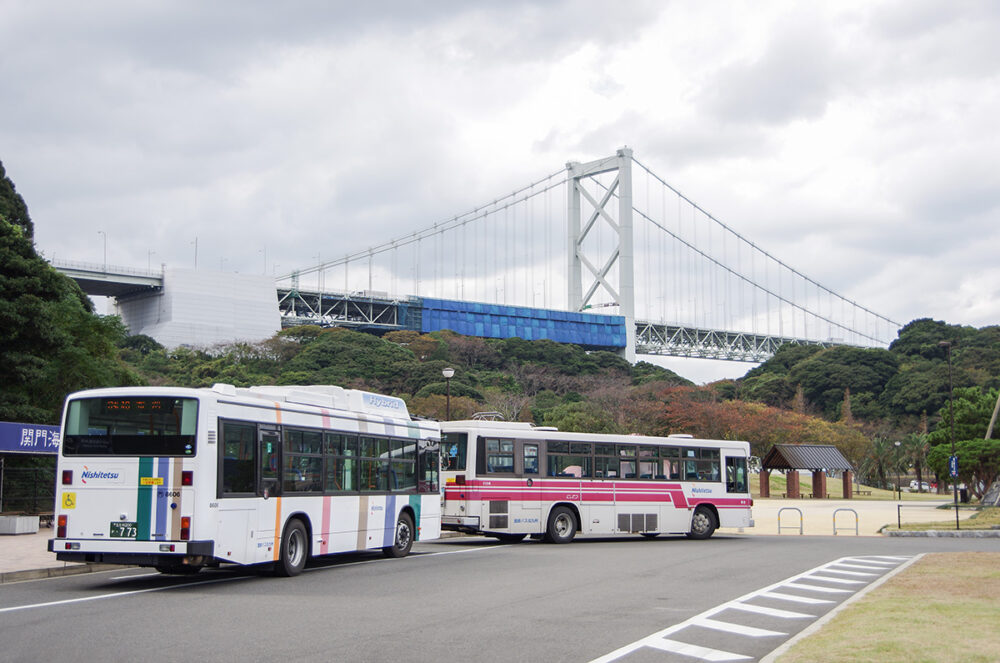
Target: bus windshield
(131,426)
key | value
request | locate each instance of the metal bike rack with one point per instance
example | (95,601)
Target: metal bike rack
(790,508)
(835,521)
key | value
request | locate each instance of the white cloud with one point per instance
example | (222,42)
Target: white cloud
(854,140)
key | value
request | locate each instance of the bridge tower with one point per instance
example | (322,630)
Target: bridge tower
(621,255)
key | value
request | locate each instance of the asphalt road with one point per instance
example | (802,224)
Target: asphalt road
(461,598)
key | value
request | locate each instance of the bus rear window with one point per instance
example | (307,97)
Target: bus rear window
(131,426)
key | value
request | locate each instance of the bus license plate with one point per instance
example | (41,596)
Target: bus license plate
(123,530)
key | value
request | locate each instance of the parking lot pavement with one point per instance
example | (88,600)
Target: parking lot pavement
(26,556)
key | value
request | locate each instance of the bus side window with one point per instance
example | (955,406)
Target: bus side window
(239,447)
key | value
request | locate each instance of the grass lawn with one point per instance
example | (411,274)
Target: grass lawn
(835,488)
(942,608)
(985,518)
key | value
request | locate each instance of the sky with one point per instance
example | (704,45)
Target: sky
(856,140)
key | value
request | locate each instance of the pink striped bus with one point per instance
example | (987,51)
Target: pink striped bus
(509,480)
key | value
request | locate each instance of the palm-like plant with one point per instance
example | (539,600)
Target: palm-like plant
(914,451)
(882,458)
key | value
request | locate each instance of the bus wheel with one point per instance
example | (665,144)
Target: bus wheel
(562,526)
(702,523)
(404,538)
(510,538)
(294,549)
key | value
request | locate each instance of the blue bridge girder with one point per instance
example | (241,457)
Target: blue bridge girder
(379,312)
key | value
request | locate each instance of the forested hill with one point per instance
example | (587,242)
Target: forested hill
(894,387)
(542,381)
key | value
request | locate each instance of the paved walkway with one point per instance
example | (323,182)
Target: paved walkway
(817,516)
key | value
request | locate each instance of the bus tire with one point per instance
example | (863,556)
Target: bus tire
(294,550)
(510,538)
(402,539)
(702,523)
(562,525)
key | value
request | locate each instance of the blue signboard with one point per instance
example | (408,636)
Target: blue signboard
(953,465)
(28,438)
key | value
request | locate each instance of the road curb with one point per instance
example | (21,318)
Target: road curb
(55,572)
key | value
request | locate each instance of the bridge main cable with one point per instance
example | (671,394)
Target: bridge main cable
(439,227)
(762,251)
(740,276)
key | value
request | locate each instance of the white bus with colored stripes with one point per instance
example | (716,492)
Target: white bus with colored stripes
(509,480)
(180,479)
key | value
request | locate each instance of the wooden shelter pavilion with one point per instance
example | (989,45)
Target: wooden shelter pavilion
(818,458)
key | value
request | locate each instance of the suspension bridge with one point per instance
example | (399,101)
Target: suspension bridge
(608,237)
(606,254)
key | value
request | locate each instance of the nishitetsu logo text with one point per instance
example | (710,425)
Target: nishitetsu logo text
(98,474)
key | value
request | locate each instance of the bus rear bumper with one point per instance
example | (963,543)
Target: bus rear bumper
(467,524)
(140,553)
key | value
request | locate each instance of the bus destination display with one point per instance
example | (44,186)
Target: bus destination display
(138,405)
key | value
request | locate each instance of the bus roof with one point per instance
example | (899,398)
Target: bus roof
(322,396)
(528,430)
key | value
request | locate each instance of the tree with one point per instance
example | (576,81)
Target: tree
(12,207)
(915,448)
(978,463)
(826,374)
(51,343)
(340,356)
(973,410)
(881,460)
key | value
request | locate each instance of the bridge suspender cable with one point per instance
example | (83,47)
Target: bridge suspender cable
(756,285)
(750,243)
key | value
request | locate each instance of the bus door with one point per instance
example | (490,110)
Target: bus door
(527,516)
(268,487)
(269,453)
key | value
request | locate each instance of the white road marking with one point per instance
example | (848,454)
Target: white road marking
(794,599)
(819,623)
(817,588)
(865,567)
(660,641)
(739,629)
(839,581)
(114,595)
(856,574)
(704,653)
(771,612)
(138,575)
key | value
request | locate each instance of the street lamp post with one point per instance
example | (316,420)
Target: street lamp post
(448,373)
(951,415)
(899,487)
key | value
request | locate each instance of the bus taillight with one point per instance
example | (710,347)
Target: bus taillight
(61,526)
(187,478)
(185,528)
(67,477)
